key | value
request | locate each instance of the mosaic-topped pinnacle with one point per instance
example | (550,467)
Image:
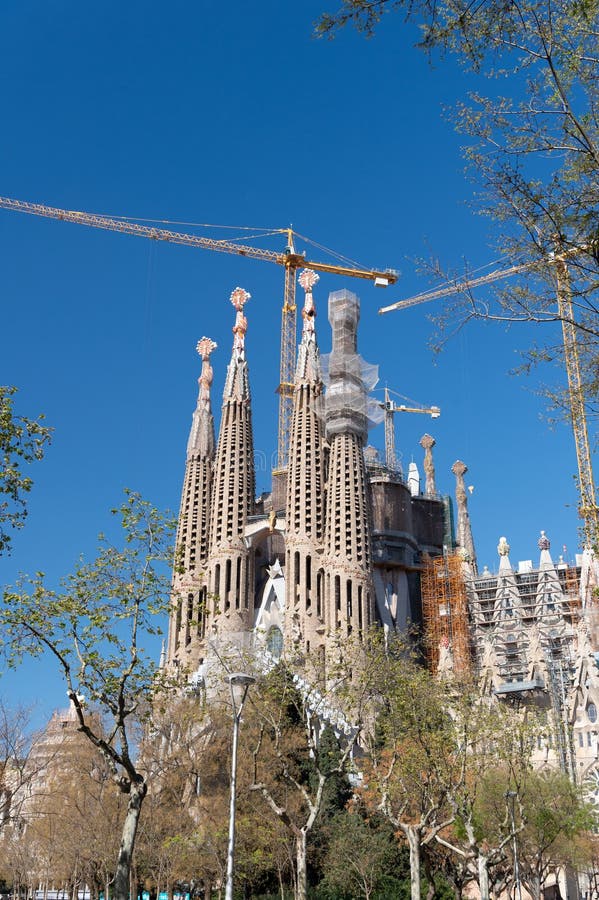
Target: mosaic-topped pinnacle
(239,298)
(205,347)
(307,280)
(544,542)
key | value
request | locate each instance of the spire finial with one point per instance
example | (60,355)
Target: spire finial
(427,443)
(307,280)
(205,347)
(544,542)
(503,548)
(239,297)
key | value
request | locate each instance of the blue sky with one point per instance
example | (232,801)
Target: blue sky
(236,115)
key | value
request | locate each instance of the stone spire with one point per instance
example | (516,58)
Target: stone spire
(305,495)
(349,595)
(550,596)
(427,443)
(464,535)
(187,621)
(230,580)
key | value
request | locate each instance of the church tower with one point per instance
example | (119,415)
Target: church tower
(349,596)
(304,632)
(230,602)
(187,622)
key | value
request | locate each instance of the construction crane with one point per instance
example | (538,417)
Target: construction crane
(289,259)
(588,509)
(390,408)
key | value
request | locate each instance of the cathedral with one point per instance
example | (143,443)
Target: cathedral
(336,546)
(344,542)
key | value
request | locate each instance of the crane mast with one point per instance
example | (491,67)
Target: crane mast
(291,261)
(588,509)
(391,408)
(589,512)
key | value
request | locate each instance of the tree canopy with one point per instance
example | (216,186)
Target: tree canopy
(22,441)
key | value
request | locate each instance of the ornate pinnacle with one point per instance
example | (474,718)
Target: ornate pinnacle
(544,542)
(205,346)
(503,548)
(427,443)
(239,298)
(307,280)
(459,468)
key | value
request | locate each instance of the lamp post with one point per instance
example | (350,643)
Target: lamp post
(239,683)
(511,796)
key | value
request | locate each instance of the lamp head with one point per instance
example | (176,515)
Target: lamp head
(239,683)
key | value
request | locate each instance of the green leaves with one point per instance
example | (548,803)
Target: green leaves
(96,626)
(22,441)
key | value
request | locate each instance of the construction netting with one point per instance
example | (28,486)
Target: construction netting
(347,377)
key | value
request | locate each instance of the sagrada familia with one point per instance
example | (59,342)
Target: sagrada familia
(333,549)
(344,542)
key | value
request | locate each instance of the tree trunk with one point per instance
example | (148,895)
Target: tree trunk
(413,837)
(483,876)
(301,857)
(123,866)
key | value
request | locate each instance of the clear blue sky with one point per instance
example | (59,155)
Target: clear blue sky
(234,114)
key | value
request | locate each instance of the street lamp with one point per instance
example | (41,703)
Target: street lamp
(239,683)
(511,795)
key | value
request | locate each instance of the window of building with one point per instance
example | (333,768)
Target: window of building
(274,642)
(592,712)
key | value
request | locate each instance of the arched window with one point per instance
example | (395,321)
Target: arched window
(592,712)
(274,641)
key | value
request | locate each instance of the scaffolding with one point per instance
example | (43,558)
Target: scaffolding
(445,614)
(571,584)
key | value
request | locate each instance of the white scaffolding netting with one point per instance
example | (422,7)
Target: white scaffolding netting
(347,377)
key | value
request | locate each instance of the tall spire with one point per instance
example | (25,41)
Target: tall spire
(427,443)
(464,536)
(347,552)
(188,617)
(229,576)
(305,494)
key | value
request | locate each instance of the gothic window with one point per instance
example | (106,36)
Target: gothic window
(274,642)
(592,712)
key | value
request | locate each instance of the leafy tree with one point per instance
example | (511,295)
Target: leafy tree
(96,628)
(295,777)
(362,854)
(556,823)
(492,748)
(22,441)
(533,147)
(413,767)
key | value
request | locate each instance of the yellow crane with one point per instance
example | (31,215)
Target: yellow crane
(391,407)
(588,509)
(289,259)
